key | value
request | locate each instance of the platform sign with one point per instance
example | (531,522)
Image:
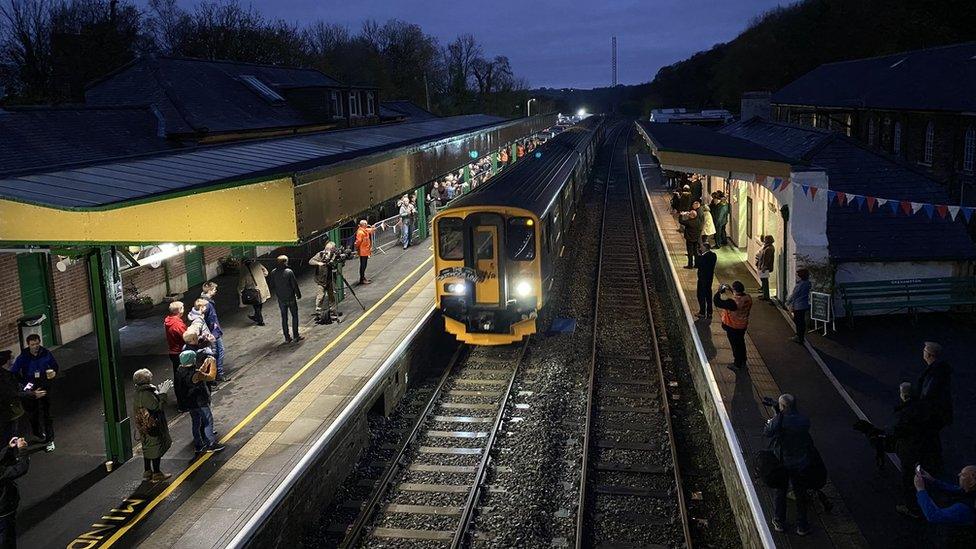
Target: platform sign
(821,310)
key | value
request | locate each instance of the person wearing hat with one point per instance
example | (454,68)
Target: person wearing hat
(193,396)
(684,199)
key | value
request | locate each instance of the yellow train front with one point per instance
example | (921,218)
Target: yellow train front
(495,247)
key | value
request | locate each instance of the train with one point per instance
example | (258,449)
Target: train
(495,247)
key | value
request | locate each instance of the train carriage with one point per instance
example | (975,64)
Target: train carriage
(495,247)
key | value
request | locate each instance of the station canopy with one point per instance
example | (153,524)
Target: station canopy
(269,191)
(694,149)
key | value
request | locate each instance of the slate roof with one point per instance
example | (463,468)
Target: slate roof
(407,109)
(935,79)
(197,95)
(147,177)
(683,138)
(855,234)
(40,138)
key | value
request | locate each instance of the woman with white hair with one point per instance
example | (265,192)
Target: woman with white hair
(150,420)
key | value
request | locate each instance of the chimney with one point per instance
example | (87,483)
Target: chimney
(756,103)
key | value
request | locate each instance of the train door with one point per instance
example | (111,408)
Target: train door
(484,257)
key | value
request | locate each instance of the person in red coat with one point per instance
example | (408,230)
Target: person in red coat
(175,327)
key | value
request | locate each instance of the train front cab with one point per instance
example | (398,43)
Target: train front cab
(488,274)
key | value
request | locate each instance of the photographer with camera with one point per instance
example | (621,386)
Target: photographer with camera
(793,445)
(735,319)
(326,264)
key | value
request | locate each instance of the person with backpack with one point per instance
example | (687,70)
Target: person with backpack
(150,420)
(793,446)
(193,396)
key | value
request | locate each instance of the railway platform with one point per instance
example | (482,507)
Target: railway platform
(281,397)
(829,388)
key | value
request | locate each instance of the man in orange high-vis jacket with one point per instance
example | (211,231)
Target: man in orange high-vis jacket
(735,320)
(364,246)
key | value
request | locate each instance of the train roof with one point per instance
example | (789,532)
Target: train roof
(535,180)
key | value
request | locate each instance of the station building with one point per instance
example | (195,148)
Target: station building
(917,106)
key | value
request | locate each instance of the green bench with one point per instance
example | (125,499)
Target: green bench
(910,295)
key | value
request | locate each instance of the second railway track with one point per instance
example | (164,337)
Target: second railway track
(630,487)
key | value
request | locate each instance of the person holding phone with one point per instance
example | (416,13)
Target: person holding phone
(962,509)
(36,369)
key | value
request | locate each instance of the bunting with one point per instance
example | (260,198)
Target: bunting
(875,203)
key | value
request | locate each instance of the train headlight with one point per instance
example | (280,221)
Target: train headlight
(523,288)
(456,288)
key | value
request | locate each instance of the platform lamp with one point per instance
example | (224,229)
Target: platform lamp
(528,106)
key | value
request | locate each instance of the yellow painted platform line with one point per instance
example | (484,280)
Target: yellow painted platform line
(176,482)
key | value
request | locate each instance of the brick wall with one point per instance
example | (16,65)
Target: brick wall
(69,292)
(143,279)
(214,253)
(10,306)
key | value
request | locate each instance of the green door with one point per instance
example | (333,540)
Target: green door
(195,273)
(34,296)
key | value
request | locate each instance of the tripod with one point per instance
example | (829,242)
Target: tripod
(335,316)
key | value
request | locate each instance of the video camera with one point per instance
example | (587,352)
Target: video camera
(339,256)
(769,401)
(876,438)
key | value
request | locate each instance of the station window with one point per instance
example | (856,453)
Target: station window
(969,150)
(520,239)
(450,238)
(929,146)
(896,140)
(336,104)
(369,104)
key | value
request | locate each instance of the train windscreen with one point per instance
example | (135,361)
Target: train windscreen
(520,239)
(450,238)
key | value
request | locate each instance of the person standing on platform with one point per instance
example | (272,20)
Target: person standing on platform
(324,262)
(799,304)
(911,436)
(735,320)
(708,226)
(286,289)
(150,421)
(764,264)
(706,274)
(696,187)
(720,216)
(36,369)
(193,396)
(406,227)
(12,394)
(685,199)
(934,388)
(364,247)
(792,444)
(692,226)
(175,327)
(14,463)
(254,275)
(962,511)
(213,323)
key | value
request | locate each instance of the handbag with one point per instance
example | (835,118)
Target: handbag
(251,296)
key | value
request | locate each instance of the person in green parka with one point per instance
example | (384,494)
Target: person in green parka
(150,421)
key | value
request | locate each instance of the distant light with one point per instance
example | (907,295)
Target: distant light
(581,113)
(528,222)
(473,154)
(538,154)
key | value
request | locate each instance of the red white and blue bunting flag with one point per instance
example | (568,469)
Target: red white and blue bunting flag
(874,203)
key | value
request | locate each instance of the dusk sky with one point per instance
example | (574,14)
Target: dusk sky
(552,43)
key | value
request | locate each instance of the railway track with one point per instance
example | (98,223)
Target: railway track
(428,495)
(630,485)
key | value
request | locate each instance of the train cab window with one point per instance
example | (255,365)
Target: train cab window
(520,239)
(450,238)
(484,246)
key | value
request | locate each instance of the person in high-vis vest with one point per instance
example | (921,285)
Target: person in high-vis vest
(735,319)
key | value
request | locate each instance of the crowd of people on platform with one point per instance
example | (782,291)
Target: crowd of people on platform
(922,412)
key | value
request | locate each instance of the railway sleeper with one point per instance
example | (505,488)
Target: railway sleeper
(620,490)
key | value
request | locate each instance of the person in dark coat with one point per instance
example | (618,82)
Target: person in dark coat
(193,396)
(911,436)
(685,199)
(793,445)
(934,387)
(11,395)
(696,188)
(720,216)
(14,463)
(799,304)
(36,369)
(764,264)
(285,287)
(692,224)
(706,275)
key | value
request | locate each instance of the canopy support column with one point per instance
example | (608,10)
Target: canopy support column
(421,213)
(340,288)
(104,281)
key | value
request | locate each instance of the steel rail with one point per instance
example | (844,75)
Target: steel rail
(397,463)
(665,405)
(591,383)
